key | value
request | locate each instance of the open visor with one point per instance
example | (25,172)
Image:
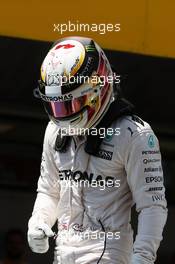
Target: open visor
(65,108)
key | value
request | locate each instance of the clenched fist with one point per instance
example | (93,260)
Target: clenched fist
(38,237)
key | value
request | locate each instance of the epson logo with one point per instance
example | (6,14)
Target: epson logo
(60,98)
(154,179)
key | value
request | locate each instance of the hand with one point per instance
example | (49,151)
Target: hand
(38,237)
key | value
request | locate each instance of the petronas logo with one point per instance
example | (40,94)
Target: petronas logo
(89,48)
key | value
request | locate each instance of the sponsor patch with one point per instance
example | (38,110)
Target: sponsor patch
(154,189)
(145,161)
(154,179)
(150,169)
(156,198)
(60,98)
(147,152)
(104,154)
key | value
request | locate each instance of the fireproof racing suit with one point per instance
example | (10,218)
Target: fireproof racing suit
(91,196)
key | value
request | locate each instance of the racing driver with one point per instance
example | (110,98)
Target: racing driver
(99,159)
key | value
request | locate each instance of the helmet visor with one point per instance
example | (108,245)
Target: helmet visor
(66,108)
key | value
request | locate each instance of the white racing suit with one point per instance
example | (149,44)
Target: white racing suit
(91,196)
